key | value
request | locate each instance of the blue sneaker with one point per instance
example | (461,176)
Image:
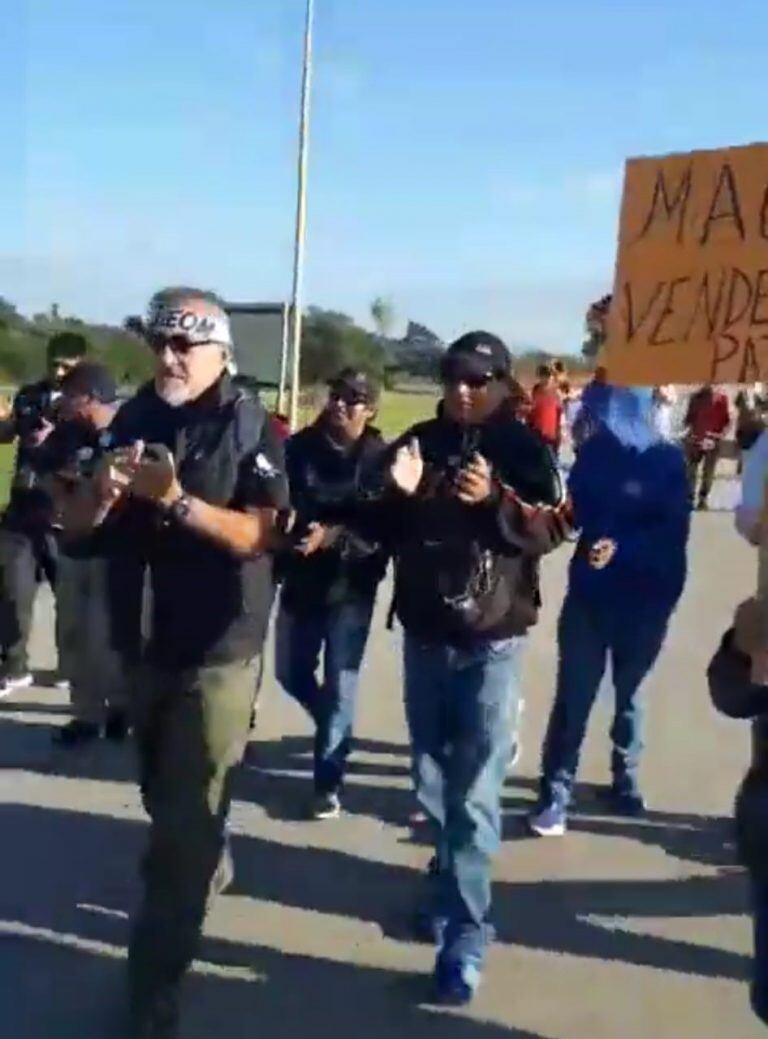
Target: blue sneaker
(459,967)
(456,982)
(549,821)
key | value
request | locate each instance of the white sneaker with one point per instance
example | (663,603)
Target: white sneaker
(549,821)
(326,806)
(12,683)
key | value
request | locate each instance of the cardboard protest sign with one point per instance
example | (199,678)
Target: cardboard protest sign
(690,300)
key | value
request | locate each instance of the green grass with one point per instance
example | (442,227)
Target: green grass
(398,411)
(7,456)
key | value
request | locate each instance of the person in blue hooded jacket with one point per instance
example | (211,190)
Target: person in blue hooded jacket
(631,504)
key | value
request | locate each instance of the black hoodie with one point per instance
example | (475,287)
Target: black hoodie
(326,479)
(447,553)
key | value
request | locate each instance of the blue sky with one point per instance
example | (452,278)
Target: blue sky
(466,157)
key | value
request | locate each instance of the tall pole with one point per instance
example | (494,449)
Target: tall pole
(301,217)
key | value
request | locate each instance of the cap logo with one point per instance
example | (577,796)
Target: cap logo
(195,327)
(481,348)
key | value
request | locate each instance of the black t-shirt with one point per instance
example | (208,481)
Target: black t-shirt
(209,606)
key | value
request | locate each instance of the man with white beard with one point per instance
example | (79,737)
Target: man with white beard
(193,487)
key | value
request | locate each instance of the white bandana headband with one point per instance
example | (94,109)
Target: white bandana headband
(203,327)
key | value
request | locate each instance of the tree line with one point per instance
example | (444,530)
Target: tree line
(331,340)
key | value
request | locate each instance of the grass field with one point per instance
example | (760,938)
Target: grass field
(397,412)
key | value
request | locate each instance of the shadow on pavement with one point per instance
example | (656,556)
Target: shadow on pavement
(699,839)
(65,886)
(71,873)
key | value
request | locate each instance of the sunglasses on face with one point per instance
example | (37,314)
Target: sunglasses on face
(473,381)
(349,400)
(179,345)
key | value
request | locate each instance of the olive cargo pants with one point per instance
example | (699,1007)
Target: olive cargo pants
(192,728)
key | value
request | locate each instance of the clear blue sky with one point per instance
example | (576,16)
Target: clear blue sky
(466,156)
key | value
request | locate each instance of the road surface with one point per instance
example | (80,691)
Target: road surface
(622,930)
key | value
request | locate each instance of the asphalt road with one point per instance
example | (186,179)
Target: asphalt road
(622,930)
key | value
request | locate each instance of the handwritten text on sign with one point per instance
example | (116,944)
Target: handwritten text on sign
(690,301)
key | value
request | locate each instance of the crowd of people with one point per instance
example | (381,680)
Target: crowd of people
(169,524)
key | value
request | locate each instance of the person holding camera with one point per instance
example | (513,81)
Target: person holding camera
(194,484)
(330,575)
(629,493)
(471,501)
(28,534)
(99,650)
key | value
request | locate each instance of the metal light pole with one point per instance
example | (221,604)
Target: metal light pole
(301,217)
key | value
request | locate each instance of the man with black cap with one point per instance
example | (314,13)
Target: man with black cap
(194,486)
(329,576)
(89,579)
(28,536)
(473,501)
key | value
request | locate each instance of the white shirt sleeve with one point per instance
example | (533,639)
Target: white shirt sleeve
(753,482)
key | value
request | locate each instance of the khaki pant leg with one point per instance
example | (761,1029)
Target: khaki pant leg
(192,728)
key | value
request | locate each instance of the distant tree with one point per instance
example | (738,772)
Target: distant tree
(383,314)
(8,311)
(331,341)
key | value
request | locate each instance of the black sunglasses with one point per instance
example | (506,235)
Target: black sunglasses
(179,345)
(352,400)
(473,381)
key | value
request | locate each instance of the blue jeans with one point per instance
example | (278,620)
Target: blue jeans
(760,962)
(589,634)
(339,634)
(462,709)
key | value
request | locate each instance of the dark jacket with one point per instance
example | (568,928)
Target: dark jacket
(325,480)
(209,606)
(30,505)
(444,548)
(734,694)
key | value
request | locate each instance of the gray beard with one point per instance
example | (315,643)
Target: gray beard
(174,397)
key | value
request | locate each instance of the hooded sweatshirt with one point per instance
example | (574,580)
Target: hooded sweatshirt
(630,486)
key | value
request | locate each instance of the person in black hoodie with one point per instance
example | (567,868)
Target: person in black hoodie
(329,576)
(469,502)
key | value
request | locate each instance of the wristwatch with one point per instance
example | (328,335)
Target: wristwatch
(180,509)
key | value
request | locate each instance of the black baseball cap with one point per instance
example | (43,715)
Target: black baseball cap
(476,355)
(353,385)
(89,379)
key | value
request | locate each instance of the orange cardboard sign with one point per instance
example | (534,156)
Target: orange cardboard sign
(690,300)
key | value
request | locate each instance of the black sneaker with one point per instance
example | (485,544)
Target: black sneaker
(116,727)
(628,802)
(75,733)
